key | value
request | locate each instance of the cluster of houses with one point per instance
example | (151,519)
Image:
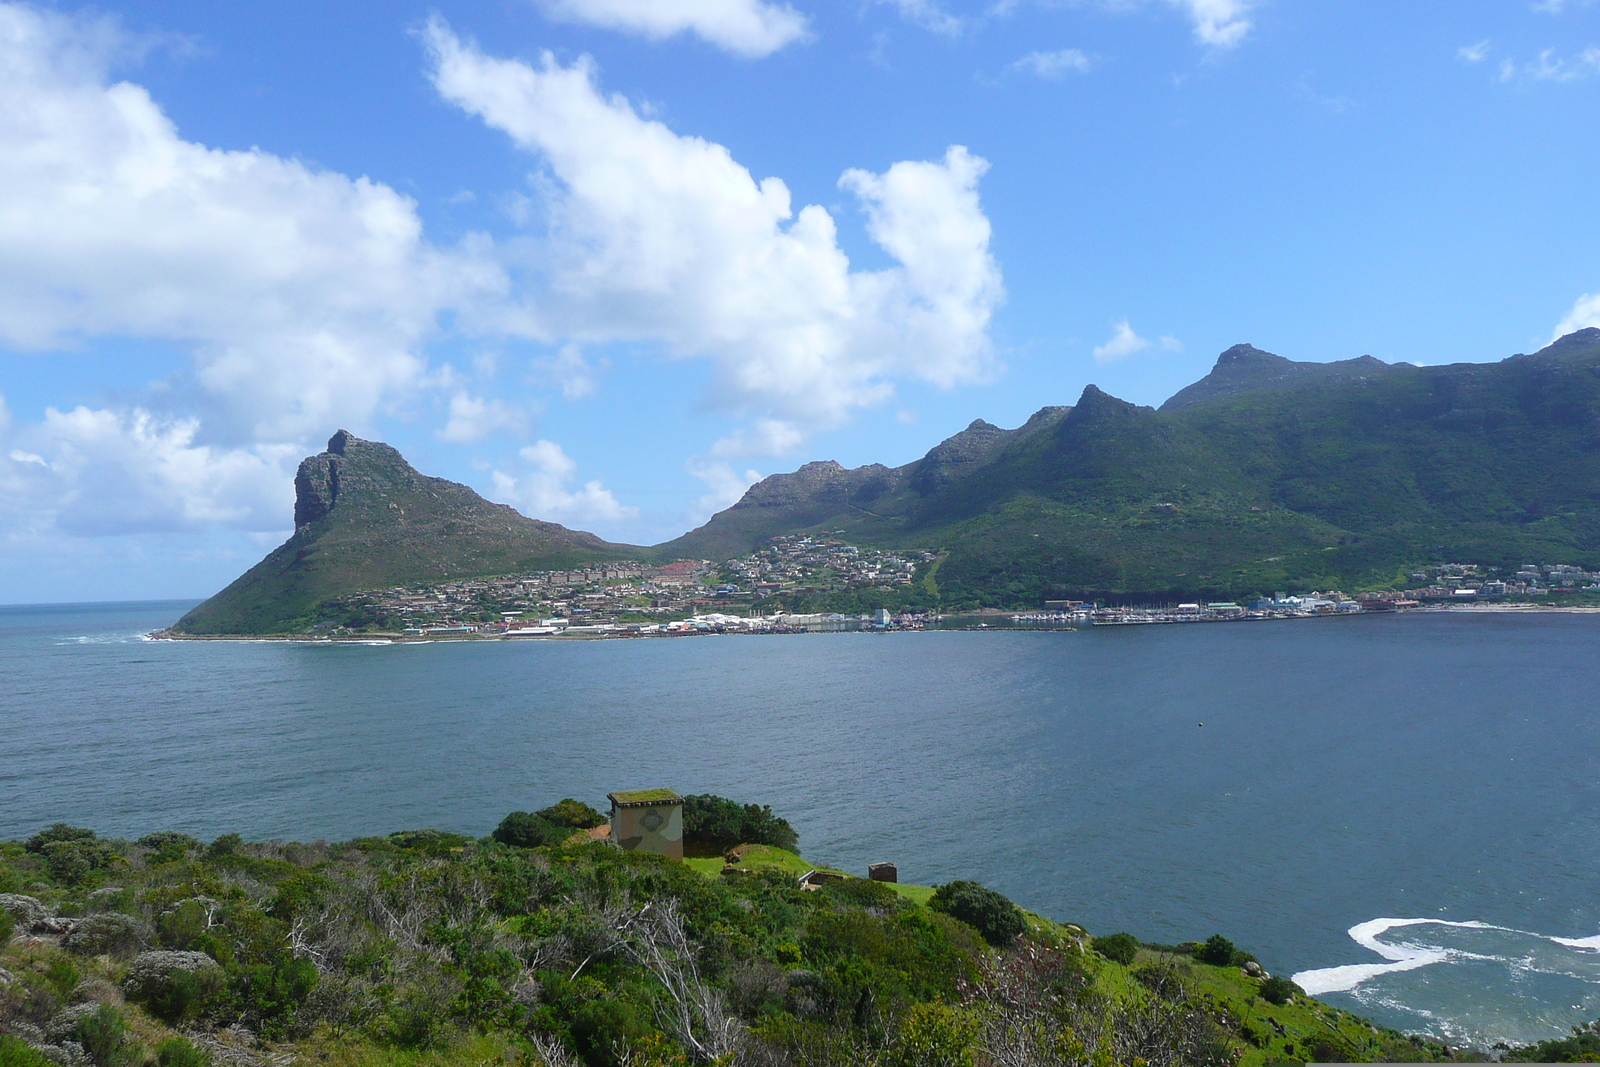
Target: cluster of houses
(1460,582)
(798,563)
(631,597)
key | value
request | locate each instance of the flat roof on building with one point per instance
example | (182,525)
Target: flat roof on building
(644,797)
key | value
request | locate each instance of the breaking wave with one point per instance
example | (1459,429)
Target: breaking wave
(1470,980)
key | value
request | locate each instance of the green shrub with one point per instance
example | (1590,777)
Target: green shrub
(166,846)
(1119,948)
(105,1038)
(1276,990)
(184,996)
(863,893)
(8,926)
(108,933)
(571,814)
(176,1052)
(226,845)
(991,914)
(1218,951)
(14,1052)
(73,860)
(58,832)
(718,823)
(524,829)
(933,1035)
(174,986)
(62,977)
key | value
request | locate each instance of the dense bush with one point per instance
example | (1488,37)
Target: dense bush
(25,909)
(177,1052)
(109,933)
(174,986)
(1278,990)
(717,823)
(572,814)
(1120,948)
(525,829)
(226,845)
(863,893)
(1218,951)
(58,832)
(100,1029)
(73,862)
(168,845)
(16,1053)
(991,914)
(1582,1047)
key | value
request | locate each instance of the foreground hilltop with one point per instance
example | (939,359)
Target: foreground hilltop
(441,949)
(1266,474)
(364,518)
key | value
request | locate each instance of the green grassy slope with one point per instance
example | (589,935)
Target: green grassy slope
(365,519)
(436,948)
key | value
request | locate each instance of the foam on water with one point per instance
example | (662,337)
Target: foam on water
(1406,956)
(1525,980)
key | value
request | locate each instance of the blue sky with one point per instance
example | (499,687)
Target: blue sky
(609,260)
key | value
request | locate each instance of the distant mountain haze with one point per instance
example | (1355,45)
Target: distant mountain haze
(1266,474)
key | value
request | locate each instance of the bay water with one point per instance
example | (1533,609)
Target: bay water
(1401,811)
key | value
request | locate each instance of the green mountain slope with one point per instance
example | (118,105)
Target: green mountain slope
(1265,474)
(365,519)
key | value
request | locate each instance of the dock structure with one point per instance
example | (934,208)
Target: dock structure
(648,820)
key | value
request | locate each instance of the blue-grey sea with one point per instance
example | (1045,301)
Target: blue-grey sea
(1404,811)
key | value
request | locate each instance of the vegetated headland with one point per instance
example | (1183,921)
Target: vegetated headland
(1268,489)
(546,944)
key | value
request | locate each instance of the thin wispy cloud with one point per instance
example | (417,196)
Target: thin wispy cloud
(930,15)
(1054,65)
(1474,53)
(750,28)
(1549,66)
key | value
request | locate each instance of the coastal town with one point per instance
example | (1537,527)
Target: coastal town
(754,594)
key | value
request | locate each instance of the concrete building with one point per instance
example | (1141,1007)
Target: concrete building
(648,820)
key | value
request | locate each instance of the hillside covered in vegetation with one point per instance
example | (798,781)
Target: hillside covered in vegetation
(364,518)
(1266,474)
(435,948)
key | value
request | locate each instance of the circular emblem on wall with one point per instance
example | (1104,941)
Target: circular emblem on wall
(652,820)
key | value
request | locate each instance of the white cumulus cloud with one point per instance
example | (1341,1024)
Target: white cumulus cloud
(93,472)
(474,418)
(1584,314)
(745,27)
(724,486)
(542,489)
(304,296)
(1218,23)
(1124,342)
(655,236)
(302,293)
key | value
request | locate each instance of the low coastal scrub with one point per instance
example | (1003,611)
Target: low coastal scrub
(536,947)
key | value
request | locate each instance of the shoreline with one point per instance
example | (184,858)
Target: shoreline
(402,639)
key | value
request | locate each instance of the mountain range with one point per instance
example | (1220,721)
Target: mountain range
(1265,474)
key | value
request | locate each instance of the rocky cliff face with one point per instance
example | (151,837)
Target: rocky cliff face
(366,519)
